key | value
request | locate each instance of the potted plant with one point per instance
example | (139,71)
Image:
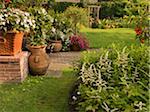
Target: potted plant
(38,60)
(55,40)
(58,38)
(77,16)
(13,24)
(78,42)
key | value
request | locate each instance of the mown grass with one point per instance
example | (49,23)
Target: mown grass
(37,94)
(45,94)
(99,38)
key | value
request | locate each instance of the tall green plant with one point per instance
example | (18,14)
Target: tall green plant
(76,16)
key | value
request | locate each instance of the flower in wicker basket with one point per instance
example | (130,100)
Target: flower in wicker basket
(15,19)
(13,24)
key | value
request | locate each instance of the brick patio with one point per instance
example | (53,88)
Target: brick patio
(61,60)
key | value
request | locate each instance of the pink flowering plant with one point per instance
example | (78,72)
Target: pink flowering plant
(79,41)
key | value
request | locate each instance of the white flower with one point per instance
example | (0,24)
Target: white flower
(78,93)
(5,15)
(1,17)
(26,26)
(53,29)
(17,21)
(26,14)
(44,11)
(74,98)
(7,21)
(2,23)
(33,26)
(52,20)
(22,23)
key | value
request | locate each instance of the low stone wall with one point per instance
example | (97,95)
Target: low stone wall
(14,68)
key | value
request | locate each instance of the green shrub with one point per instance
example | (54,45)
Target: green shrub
(76,16)
(119,8)
(114,80)
(61,22)
(61,6)
(124,22)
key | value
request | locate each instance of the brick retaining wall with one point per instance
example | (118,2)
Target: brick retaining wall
(14,68)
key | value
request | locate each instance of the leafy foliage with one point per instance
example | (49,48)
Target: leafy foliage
(143,34)
(114,80)
(43,23)
(76,16)
(61,22)
(15,19)
(119,8)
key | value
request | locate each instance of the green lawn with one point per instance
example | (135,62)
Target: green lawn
(37,94)
(104,37)
(43,94)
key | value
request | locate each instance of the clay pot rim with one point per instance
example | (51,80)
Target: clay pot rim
(36,47)
(15,32)
(55,41)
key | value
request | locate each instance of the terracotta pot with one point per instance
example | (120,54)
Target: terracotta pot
(57,45)
(75,47)
(38,60)
(11,44)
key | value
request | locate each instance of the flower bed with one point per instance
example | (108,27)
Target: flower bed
(113,80)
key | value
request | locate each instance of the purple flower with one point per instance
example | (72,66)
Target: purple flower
(80,41)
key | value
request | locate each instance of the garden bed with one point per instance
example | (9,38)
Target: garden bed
(112,80)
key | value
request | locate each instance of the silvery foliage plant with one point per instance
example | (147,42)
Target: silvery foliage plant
(114,81)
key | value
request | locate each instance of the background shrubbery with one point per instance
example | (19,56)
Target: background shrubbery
(114,80)
(113,13)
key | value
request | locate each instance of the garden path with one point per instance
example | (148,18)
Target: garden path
(62,60)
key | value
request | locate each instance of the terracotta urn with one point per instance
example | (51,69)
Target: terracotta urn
(57,45)
(38,60)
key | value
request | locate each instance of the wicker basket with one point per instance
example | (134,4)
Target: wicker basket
(11,44)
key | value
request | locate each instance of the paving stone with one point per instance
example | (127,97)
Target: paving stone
(61,60)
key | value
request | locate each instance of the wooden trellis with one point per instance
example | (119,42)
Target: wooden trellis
(93,11)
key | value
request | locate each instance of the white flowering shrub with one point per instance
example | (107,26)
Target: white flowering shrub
(15,19)
(43,23)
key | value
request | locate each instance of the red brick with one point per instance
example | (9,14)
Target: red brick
(14,68)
